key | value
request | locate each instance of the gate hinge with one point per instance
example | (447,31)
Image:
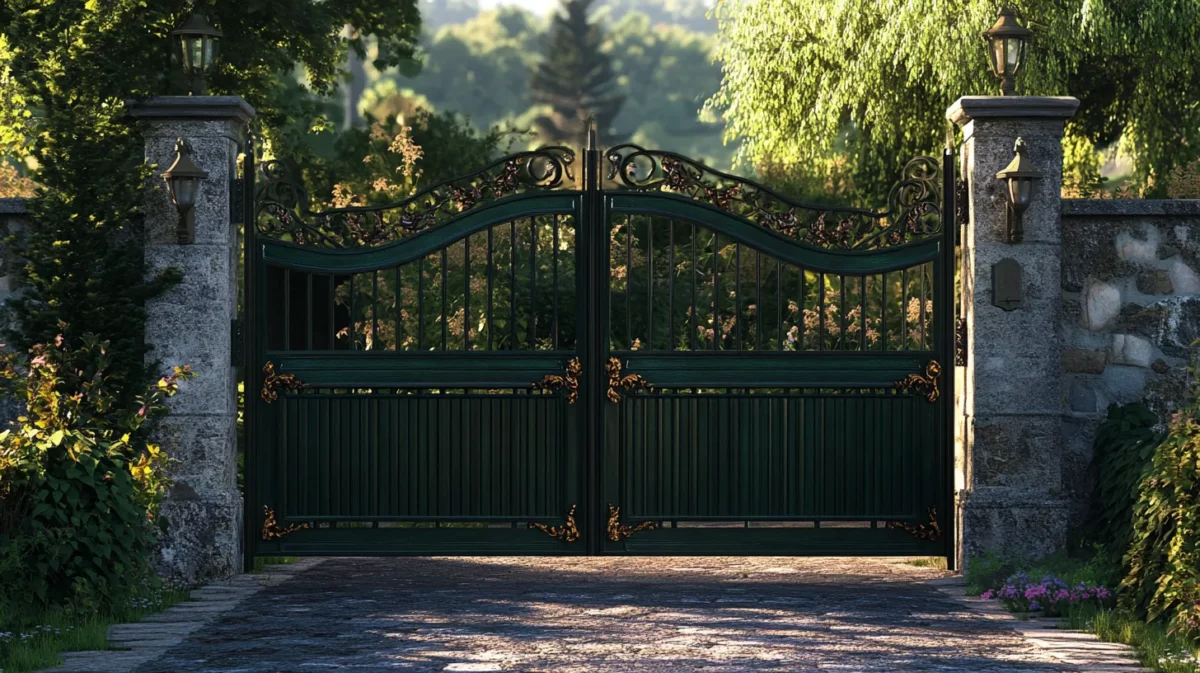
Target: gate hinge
(960,342)
(235,342)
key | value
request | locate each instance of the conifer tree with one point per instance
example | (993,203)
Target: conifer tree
(575,78)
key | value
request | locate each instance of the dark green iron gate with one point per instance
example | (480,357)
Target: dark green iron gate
(618,352)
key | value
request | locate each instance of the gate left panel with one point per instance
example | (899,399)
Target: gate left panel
(420,397)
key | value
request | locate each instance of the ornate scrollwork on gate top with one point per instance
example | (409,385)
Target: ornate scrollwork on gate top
(617,382)
(617,531)
(567,382)
(283,204)
(272,381)
(913,211)
(926,384)
(271,529)
(568,532)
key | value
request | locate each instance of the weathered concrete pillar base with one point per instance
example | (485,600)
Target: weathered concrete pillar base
(1010,451)
(190,325)
(1012,523)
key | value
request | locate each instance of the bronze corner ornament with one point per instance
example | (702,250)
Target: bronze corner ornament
(926,384)
(925,531)
(567,381)
(628,383)
(567,532)
(271,381)
(271,529)
(617,531)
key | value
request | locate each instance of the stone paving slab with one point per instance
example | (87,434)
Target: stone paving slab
(529,615)
(141,642)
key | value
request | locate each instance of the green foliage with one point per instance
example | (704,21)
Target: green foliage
(1163,580)
(1156,649)
(480,66)
(575,79)
(79,483)
(803,76)
(1124,444)
(74,64)
(35,639)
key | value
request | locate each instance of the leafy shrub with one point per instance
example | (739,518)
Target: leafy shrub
(79,482)
(1124,445)
(1163,579)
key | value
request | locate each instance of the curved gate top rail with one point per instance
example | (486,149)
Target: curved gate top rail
(913,210)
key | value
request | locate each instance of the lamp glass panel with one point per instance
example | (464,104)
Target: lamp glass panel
(196,46)
(210,49)
(1012,51)
(1026,192)
(184,191)
(999,62)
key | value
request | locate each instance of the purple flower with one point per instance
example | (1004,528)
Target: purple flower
(1103,594)
(1034,605)
(1035,592)
(988,595)
(1061,595)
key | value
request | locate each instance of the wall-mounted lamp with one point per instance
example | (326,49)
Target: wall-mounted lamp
(183,180)
(1006,49)
(197,42)
(1019,175)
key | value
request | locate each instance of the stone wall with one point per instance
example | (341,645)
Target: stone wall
(1131,310)
(13,220)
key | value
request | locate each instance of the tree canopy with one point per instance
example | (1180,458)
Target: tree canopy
(805,80)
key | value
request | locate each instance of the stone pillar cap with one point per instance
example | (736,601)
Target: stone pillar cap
(1012,107)
(194,108)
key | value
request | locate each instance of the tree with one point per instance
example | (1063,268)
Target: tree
(575,78)
(66,69)
(805,80)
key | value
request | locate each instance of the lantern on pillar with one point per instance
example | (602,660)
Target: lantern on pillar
(1019,176)
(197,43)
(183,180)
(1006,49)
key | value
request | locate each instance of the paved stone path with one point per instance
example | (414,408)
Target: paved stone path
(531,615)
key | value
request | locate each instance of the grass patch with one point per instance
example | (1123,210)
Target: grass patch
(936,562)
(1155,649)
(32,642)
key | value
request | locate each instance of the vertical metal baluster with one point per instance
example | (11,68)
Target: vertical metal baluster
(533,241)
(491,273)
(671,284)
(467,293)
(821,310)
(374,310)
(862,312)
(716,315)
(883,307)
(400,311)
(421,304)
(802,332)
(353,315)
(650,284)
(445,305)
(759,305)
(904,310)
(332,306)
(554,337)
(287,309)
(737,296)
(308,311)
(512,284)
(629,280)
(842,310)
(695,306)
(780,300)
(922,300)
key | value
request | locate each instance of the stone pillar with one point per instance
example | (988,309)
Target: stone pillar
(191,324)
(1008,460)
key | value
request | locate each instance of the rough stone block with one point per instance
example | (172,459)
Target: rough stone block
(1084,360)
(1128,349)
(1183,279)
(1157,281)
(203,452)
(1082,398)
(203,539)
(1017,451)
(1101,304)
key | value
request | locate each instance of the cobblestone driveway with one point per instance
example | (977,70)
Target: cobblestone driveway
(604,614)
